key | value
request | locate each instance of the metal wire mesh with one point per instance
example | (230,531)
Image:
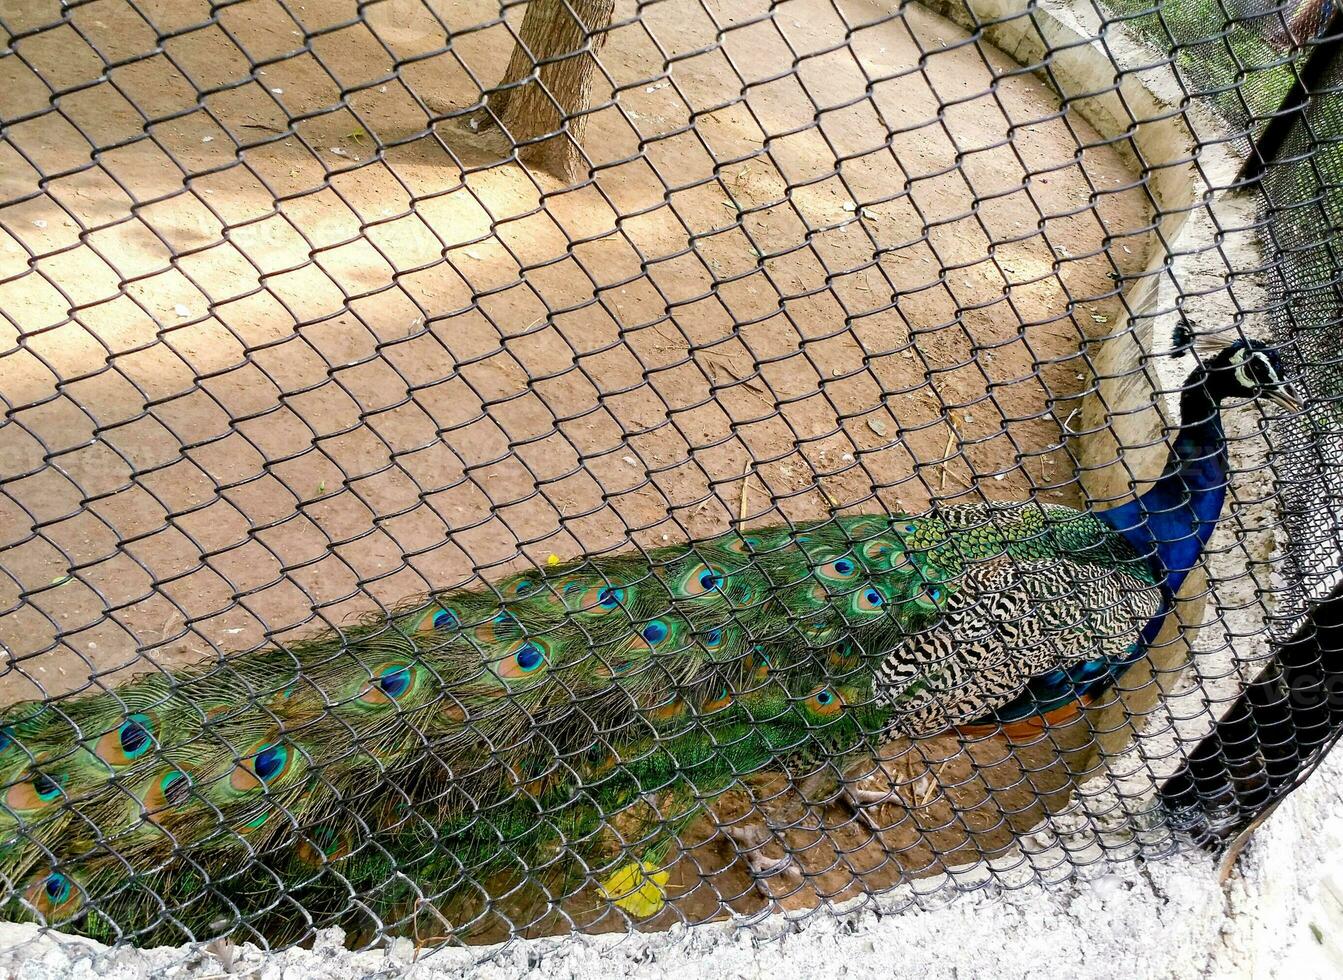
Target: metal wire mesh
(1301,206)
(474,472)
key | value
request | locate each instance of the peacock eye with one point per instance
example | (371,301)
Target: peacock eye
(868,599)
(698,580)
(270,762)
(825,702)
(596,600)
(526,657)
(503,626)
(134,737)
(446,620)
(390,682)
(713,638)
(51,894)
(655,632)
(529,657)
(395,681)
(839,570)
(933,594)
(57,888)
(175,788)
(265,763)
(127,742)
(718,702)
(45,787)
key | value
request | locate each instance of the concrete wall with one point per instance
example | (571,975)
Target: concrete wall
(1106,78)
(1139,112)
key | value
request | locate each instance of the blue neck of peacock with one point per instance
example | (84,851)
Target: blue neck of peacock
(1172,522)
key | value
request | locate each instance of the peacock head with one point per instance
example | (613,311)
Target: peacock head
(1251,369)
(1241,369)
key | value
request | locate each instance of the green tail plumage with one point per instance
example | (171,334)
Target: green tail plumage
(476,739)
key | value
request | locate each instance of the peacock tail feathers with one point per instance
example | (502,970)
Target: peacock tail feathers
(475,740)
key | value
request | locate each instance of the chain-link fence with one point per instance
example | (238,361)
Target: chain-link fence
(474,473)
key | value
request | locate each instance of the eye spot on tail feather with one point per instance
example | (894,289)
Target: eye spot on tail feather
(526,659)
(593,600)
(824,702)
(168,792)
(843,569)
(53,895)
(129,741)
(265,764)
(391,682)
(37,793)
(439,619)
(699,580)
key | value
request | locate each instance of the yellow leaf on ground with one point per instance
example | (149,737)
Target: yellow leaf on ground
(639,888)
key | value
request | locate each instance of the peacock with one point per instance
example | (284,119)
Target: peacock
(558,730)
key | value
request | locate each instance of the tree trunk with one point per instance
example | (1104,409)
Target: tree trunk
(558,44)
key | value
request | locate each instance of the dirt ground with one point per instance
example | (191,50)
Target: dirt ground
(282,343)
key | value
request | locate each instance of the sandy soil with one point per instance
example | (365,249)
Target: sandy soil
(281,343)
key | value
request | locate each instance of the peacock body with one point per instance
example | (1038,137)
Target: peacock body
(477,740)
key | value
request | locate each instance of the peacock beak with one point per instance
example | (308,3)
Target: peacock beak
(1285,397)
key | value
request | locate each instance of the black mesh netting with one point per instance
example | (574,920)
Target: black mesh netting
(1302,200)
(478,472)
